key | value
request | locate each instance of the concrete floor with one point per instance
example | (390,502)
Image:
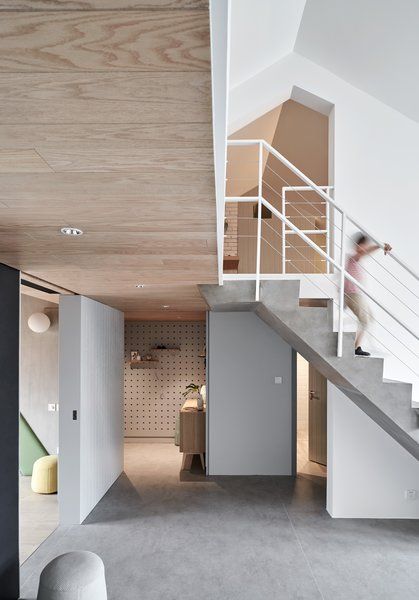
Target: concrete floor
(232,538)
(38,517)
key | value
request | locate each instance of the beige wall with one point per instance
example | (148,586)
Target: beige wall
(39,372)
(301,135)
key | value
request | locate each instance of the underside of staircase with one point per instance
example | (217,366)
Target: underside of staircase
(309,330)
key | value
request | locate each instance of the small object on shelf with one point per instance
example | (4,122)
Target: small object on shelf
(193,388)
(135,355)
(173,348)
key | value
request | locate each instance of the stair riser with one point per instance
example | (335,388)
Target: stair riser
(309,330)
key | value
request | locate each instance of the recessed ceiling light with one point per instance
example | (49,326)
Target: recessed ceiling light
(71,231)
(139,285)
(166,305)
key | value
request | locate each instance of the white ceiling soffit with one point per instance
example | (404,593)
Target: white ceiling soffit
(372,44)
(311,101)
(262,32)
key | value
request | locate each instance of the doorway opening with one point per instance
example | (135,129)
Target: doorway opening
(311,420)
(38,416)
(165,396)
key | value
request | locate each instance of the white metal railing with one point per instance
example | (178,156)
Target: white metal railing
(287,227)
(302,188)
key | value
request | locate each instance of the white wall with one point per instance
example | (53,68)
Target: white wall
(250,418)
(367,471)
(376,153)
(376,148)
(91,382)
(262,32)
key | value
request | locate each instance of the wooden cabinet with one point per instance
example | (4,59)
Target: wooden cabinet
(192,434)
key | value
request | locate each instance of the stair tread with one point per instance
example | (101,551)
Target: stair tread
(388,402)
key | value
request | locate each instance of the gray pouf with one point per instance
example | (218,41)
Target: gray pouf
(73,576)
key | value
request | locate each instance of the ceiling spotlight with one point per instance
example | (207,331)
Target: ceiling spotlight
(71,231)
(139,285)
(166,305)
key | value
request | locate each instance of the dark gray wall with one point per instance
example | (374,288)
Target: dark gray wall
(250,417)
(9,433)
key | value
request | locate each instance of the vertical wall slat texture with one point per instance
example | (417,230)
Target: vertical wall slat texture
(100,359)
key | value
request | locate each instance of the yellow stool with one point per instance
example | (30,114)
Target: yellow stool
(44,475)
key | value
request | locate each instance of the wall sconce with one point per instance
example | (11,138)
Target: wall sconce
(39,322)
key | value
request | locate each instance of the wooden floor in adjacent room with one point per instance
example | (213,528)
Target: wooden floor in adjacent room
(38,517)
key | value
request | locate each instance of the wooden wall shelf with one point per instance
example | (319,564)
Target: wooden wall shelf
(144,364)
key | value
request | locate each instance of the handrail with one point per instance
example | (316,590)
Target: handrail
(340,265)
(331,260)
(324,195)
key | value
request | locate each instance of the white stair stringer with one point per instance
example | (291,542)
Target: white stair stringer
(309,330)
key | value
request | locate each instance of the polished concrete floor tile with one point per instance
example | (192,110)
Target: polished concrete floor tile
(232,538)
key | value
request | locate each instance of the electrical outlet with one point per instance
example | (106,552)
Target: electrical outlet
(410,495)
(51,407)
(278,379)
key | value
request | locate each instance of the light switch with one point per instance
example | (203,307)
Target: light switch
(278,379)
(51,407)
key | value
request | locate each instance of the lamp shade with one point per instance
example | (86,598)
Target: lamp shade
(39,323)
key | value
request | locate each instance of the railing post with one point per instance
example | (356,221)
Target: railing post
(341,286)
(284,263)
(259,230)
(328,232)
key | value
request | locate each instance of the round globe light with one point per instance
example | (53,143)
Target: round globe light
(39,323)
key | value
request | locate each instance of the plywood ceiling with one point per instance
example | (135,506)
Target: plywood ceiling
(105,124)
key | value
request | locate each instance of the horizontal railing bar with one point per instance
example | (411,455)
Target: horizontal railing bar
(303,188)
(335,264)
(321,193)
(242,198)
(309,231)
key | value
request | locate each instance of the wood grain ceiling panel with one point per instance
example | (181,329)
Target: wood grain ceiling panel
(129,245)
(104,41)
(191,298)
(75,98)
(106,189)
(104,135)
(22,161)
(101,4)
(118,103)
(148,161)
(159,315)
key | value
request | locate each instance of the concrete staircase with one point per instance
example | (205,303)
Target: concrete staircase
(309,330)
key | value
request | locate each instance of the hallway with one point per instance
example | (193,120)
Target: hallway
(232,538)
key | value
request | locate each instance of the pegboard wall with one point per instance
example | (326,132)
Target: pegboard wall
(153,396)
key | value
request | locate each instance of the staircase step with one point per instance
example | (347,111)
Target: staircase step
(309,330)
